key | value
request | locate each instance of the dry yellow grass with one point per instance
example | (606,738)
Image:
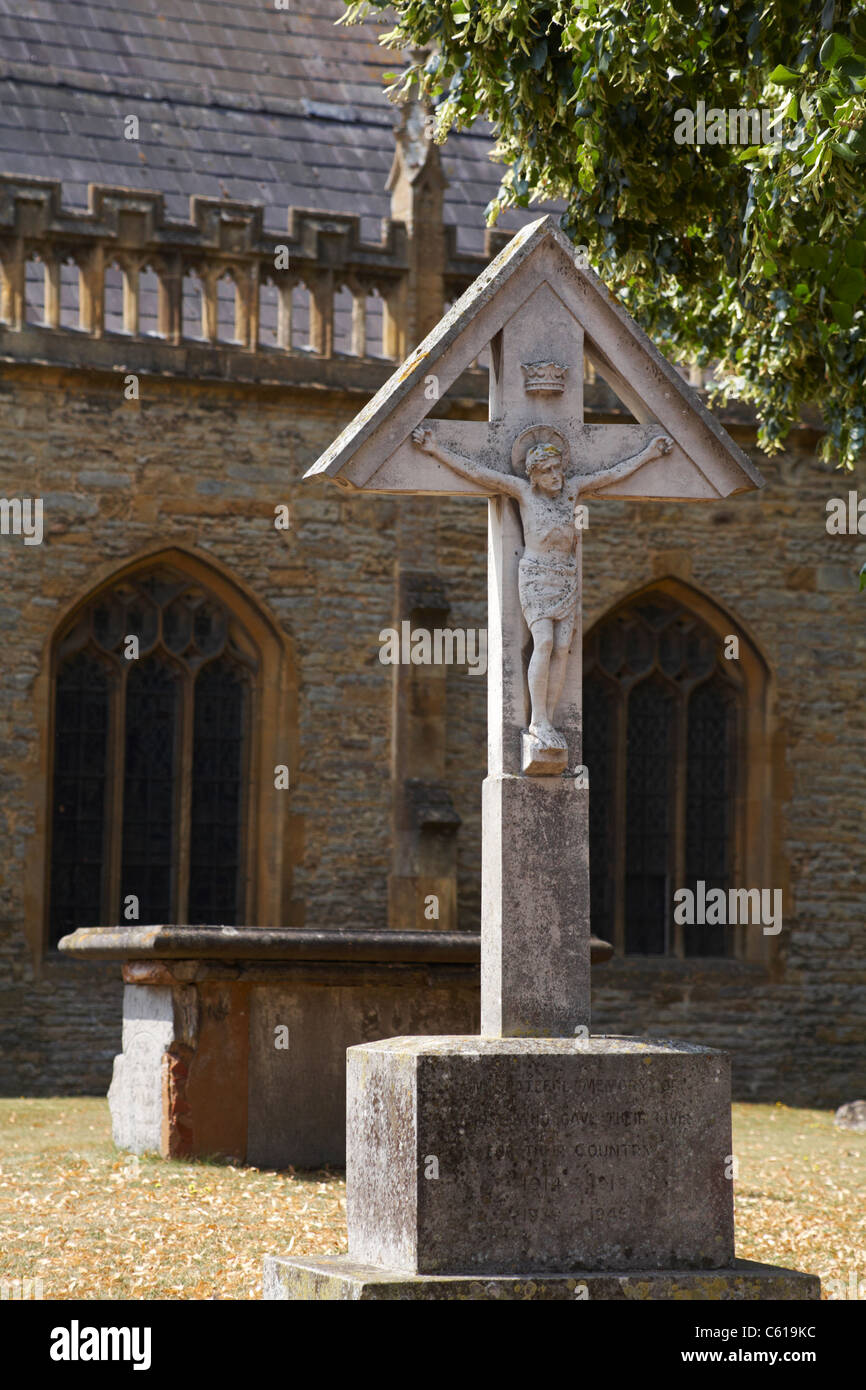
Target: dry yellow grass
(95,1223)
(801,1193)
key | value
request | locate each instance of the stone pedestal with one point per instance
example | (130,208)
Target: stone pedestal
(542,1168)
(535,937)
(504,1155)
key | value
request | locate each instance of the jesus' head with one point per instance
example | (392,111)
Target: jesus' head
(544,467)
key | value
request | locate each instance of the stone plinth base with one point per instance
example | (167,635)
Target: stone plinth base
(338,1277)
(494,1156)
(538,761)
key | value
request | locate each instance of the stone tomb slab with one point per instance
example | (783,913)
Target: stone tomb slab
(501,1156)
(337,1277)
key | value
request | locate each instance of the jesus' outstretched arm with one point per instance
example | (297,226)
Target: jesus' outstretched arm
(467,468)
(662,444)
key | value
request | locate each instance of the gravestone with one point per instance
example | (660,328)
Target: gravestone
(536,1160)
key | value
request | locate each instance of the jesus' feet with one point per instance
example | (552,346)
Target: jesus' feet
(547,736)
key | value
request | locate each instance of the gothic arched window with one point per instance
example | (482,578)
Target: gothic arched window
(663,732)
(153,689)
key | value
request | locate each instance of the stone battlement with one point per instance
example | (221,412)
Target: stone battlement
(77,284)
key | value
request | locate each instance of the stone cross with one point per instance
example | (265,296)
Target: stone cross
(535,460)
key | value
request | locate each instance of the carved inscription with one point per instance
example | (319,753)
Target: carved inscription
(582,1143)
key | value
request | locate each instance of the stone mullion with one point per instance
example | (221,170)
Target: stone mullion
(170,301)
(52,292)
(14,308)
(247,306)
(284,314)
(251,771)
(130,298)
(113,887)
(620,737)
(209,307)
(737,820)
(183,783)
(395,338)
(92,293)
(678,831)
(322,314)
(359,323)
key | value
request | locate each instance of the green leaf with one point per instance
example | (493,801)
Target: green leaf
(842,313)
(849,284)
(752,257)
(834,49)
(863,579)
(783,77)
(853,67)
(811,257)
(844,152)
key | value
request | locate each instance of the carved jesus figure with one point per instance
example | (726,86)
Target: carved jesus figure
(548,577)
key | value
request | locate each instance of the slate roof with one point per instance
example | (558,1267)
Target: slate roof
(239,100)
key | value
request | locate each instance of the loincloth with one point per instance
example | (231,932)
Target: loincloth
(547,588)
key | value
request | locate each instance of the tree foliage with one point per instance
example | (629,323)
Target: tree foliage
(753,258)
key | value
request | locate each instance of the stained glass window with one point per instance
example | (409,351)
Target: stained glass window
(216,797)
(149,787)
(648,816)
(709,795)
(78,820)
(599,715)
(661,716)
(150,751)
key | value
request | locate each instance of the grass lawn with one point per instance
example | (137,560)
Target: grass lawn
(94,1223)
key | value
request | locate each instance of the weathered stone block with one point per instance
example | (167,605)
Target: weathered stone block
(513,1156)
(535,954)
(297,1094)
(337,1277)
(135,1094)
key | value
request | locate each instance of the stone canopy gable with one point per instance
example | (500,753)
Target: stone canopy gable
(536,279)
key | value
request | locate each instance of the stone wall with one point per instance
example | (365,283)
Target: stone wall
(797,1025)
(202,465)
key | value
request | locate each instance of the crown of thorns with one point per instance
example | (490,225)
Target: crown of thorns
(543,443)
(541,456)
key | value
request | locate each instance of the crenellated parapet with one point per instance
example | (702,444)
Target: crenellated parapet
(122,272)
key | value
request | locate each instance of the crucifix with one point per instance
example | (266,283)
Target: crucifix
(468,1168)
(536,461)
(548,574)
